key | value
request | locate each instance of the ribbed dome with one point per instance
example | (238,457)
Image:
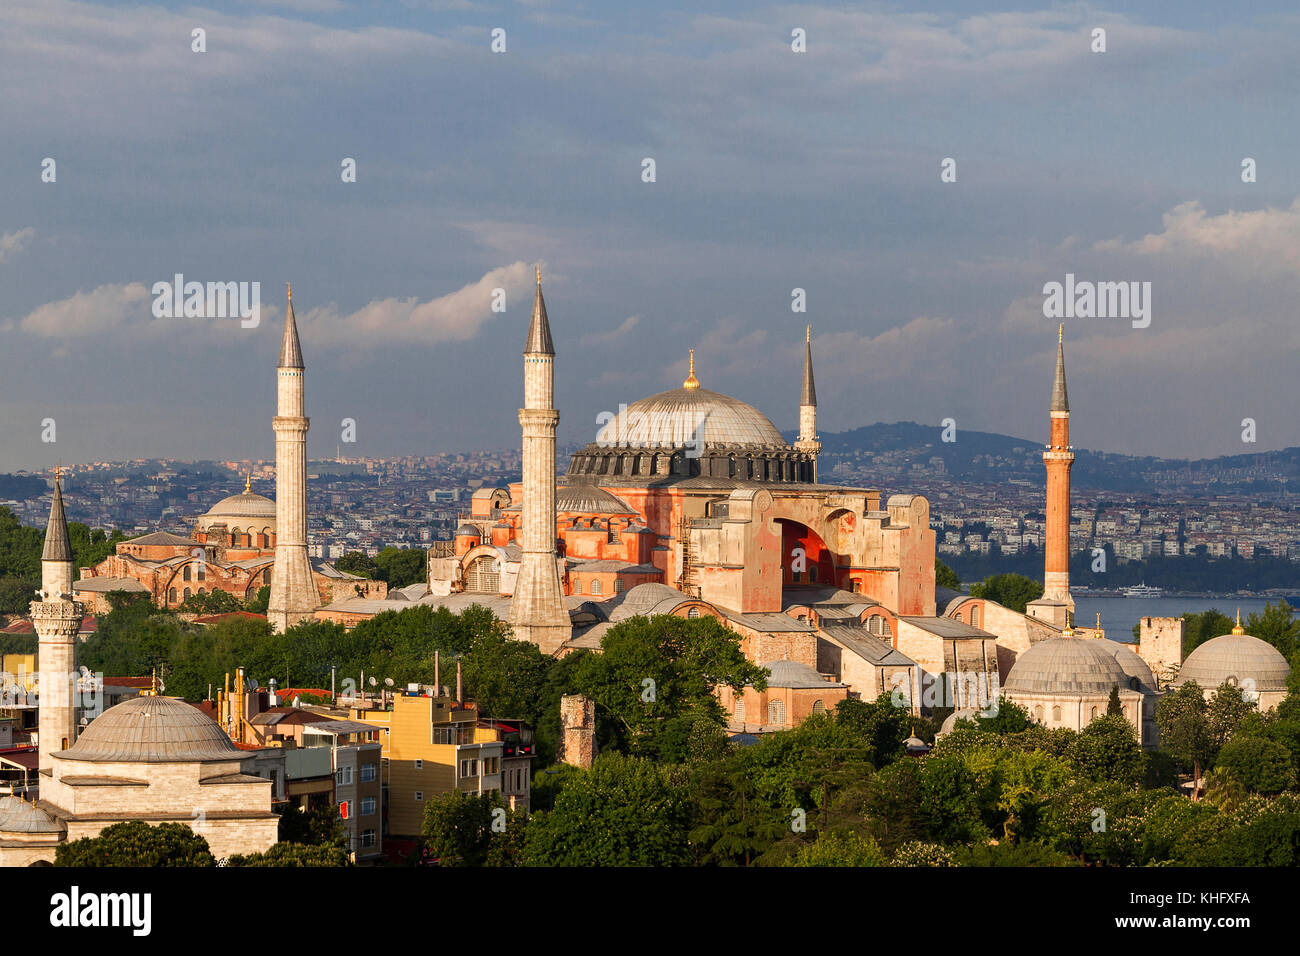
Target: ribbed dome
(1235,658)
(1067,665)
(246,504)
(18,816)
(673,418)
(152,730)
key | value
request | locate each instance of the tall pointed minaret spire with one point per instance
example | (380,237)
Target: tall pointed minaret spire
(293,589)
(56,618)
(537,611)
(808,443)
(1058,459)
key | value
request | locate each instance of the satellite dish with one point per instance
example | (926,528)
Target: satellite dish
(251,684)
(372,682)
(388,681)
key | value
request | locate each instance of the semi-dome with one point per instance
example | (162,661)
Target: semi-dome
(681,415)
(152,730)
(589,499)
(1077,665)
(1234,659)
(1134,666)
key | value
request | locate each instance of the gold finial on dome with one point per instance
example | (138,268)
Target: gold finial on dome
(1069,625)
(691,380)
(1239,629)
(1100,632)
(248,483)
(1060,334)
(539,274)
(808,334)
(288,288)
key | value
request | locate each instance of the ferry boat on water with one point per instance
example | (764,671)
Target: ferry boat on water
(1143,591)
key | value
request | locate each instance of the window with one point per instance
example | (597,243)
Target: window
(343,776)
(483,575)
(367,838)
(186,574)
(419,796)
(577,585)
(469,768)
(345,809)
(171,596)
(857,587)
(186,595)
(776,713)
(740,709)
(368,772)
(367,806)
(202,574)
(818,706)
(419,764)
(693,612)
(1056,713)
(595,586)
(619,585)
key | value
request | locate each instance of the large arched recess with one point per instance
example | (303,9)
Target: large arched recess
(803,546)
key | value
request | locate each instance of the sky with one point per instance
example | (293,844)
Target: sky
(774,170)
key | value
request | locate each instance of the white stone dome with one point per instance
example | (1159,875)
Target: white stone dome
(1235,658)
(1067,665)
(152,730)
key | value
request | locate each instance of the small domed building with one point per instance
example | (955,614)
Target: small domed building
(1066,681)
(1239,660)
(156,759)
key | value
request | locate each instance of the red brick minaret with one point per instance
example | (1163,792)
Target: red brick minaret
(1058,458)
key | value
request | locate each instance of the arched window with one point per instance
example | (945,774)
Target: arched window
(202,573)
(483,576)
(1056,713)
(818,706)
(185,575)
(975,615)
(619,585)
(1093,714)
(577,585)
(1038,713)
(185,595)
(693,612)
(740,709)
(171,596)
(776,713)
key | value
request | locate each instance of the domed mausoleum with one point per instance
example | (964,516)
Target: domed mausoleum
(1239,660)
(1066,681)
(156,759)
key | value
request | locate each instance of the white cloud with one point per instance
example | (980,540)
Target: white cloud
(1259,241)
(12,243)
(104,309)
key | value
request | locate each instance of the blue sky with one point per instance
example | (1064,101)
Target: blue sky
(775,170)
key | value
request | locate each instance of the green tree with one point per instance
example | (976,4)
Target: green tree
(840,849)
(260,601)
(294,854)
(400,567)
(732,824)
(1258,764)
(1108,750)
(655,676)
(1184,729)
(945,577)
(215,601)
(624,811)
(1224,715)
(1202,627)
(1277,625)
(1012,591)
(315,826)
(137,844)
(354,562)
(458,827)
(1113,706)
(883,726)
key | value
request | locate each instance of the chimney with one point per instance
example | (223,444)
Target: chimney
(437,675)
(460,687)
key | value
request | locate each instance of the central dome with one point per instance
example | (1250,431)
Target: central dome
(152,730)
(246,504)
(1067,665)
(690,415)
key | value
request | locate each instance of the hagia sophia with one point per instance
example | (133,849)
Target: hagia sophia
(688,503)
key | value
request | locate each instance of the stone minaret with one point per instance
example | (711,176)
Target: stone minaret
(293,592)
(537,611)
(1058,458)
(808,443)
(57,619)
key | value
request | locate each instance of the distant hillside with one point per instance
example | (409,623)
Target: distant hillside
(989,457)
(21,487)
